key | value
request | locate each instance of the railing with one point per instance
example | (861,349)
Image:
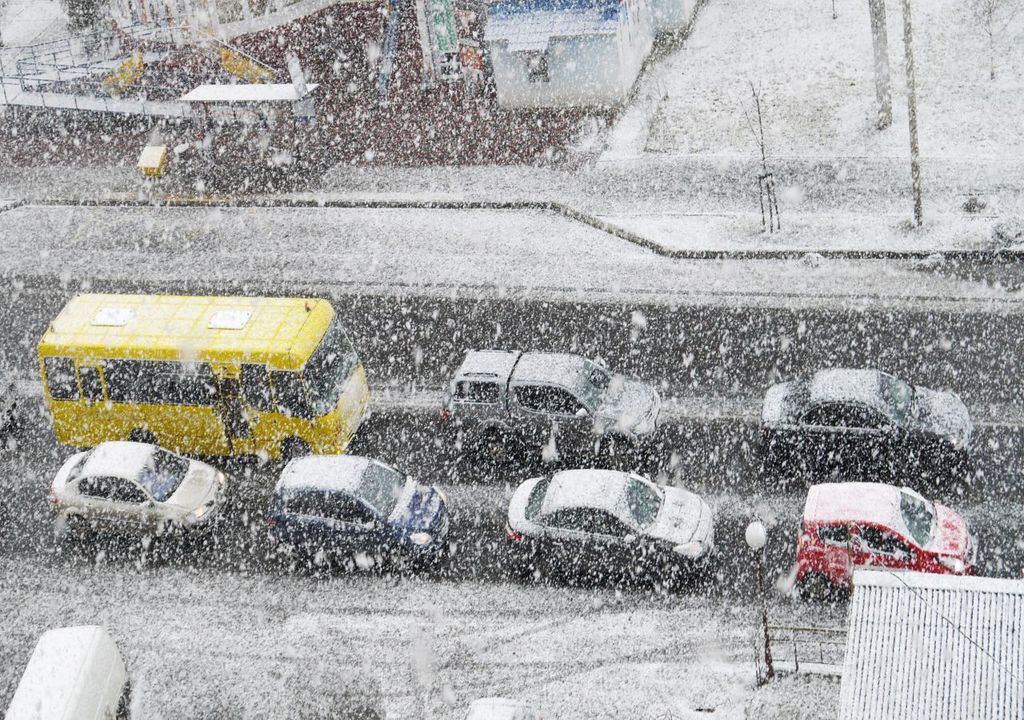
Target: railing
(810,646)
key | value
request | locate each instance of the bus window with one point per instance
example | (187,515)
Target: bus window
(92,386)
(141,381)
(329,368)
(256,383)
(291,394)
(60,377)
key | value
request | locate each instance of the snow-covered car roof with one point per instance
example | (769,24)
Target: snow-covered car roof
(340,473)
(558,368)
(785,402)
(597,489)
(844,385)
(498,363)
(855,502)
(532,26)
(117,459)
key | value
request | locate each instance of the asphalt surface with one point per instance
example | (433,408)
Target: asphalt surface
(712,355)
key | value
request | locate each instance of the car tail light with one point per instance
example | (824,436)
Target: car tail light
(446,415)
(512,534)
(271,522)
(52,497)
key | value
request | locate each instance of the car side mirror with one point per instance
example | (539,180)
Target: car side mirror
(630,538)
(582,413)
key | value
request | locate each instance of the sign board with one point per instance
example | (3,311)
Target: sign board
(126,74)
(246,68)
(446,36)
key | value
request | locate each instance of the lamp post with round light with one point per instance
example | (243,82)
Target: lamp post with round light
(757,539)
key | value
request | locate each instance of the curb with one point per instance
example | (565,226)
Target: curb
(570,213)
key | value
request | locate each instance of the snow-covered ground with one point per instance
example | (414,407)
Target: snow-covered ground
(234,645)
(817,83)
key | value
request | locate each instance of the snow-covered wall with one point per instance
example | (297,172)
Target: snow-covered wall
(567,53)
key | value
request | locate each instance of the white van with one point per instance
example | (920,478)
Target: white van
(75,673)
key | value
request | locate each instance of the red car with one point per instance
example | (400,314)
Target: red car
(851,525)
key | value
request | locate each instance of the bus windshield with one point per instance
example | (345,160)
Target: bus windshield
(329,368)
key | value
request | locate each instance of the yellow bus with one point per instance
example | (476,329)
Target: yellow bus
(205,375)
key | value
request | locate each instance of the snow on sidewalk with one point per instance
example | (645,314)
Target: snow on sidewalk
(816,76)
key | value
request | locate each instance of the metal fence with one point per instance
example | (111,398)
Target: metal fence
(793,646)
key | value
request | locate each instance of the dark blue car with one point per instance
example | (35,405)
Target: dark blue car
(339,506)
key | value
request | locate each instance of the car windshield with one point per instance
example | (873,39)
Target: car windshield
(644,502)
(162,474)
(919,517)
(329,368)
(380,487)
(899,396)
(591,384)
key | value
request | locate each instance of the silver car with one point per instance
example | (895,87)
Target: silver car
(602,523)
(502,401)
(136,487)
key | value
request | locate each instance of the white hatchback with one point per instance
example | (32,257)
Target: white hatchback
(136,487)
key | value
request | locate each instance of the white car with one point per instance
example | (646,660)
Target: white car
(594,522)
(129,486)
(500,709)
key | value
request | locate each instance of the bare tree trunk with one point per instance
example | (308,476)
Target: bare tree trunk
(991,55)
(915,162)
(880,43)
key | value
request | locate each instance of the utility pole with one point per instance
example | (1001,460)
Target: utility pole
(915,161)
(880,44)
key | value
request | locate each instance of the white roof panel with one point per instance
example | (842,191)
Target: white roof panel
(843,385)
(933,646)
(246,93)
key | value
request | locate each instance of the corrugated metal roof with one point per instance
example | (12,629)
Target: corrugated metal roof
(934,646)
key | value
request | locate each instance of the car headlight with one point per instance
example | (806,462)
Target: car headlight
(420,538)
(200,513)
(953,564)
(692,550)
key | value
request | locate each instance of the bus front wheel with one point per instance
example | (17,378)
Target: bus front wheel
(294,448)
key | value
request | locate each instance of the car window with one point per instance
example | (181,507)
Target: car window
(339,506)
(125,491)
(839,415)
(567,519)
(883,542)
(547,399)
(291,395)
(305,502)
(536,498)
(604,523)
(163,473)
(99,487)
(834,534)
(644,502)
(256,385)
(470,391)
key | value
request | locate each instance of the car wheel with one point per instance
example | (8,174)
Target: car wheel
(75,529)
(142,435)
(497,448)
(815,586)
(293,448)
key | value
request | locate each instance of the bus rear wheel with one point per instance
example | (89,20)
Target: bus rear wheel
(294,448)
(142,435)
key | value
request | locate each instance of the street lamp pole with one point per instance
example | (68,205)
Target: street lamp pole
(915,162)
(757,540)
